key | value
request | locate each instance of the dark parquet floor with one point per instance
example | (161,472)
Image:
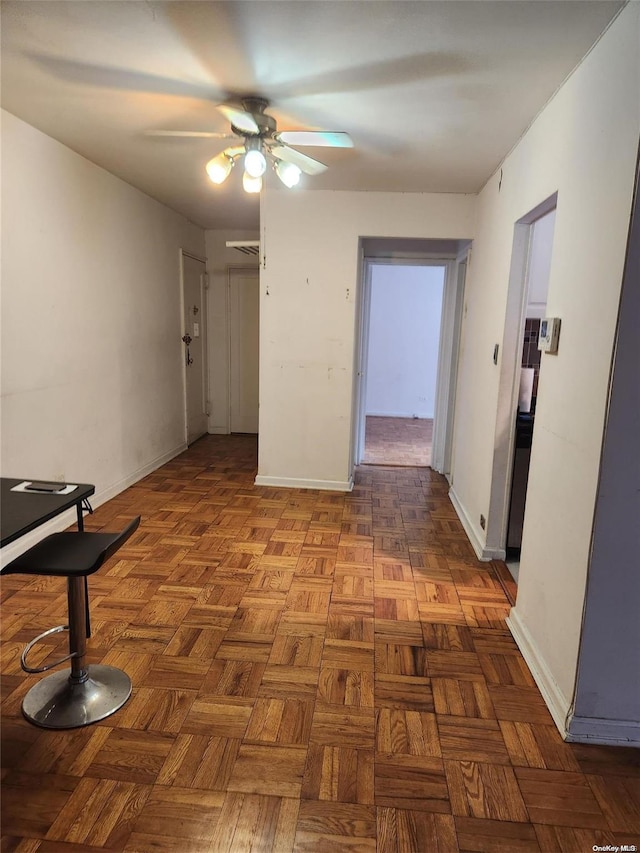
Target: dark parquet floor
(313,671)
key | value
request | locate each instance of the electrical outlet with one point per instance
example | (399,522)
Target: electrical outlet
(483,522)
(58,478)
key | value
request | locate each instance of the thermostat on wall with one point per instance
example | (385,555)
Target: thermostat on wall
(549,334)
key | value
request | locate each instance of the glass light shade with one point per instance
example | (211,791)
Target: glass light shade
(218,168)
(288,173)
(251,184)
(255,163)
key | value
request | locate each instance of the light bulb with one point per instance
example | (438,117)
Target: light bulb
(251,184)
(219,167)
(255,163)
(288,173)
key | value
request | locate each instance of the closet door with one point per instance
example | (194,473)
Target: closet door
(244,333)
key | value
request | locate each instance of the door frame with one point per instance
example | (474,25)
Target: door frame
(204,287)
(509,382)
(448,357)
(236,268)
(442,418)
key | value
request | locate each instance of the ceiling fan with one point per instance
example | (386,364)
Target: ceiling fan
(262,145)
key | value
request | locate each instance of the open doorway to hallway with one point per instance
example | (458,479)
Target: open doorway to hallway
(403,336)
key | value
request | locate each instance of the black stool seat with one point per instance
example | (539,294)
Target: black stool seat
(70,554)
(86,694)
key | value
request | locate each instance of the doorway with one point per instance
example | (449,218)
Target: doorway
(400,359)
(401,362)
(536,287)
(244,344)
(520,381)
(194,338)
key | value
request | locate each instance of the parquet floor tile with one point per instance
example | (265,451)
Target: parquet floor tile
(347,653)
(341,774)
(488,791)
(416,783)
(343,726)
(250,822)
(262,769)
(561,799)
(619,800)
(100,813)
(463,698)
(198,761)
(403,692)
(188,816)
(496,836)
(283,721)
(472,739)
(335,826)
(130,755)
(32,802)
(402,732)
(345,687)
(312,671)
(401,829)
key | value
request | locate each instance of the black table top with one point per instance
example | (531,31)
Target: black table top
(21,512)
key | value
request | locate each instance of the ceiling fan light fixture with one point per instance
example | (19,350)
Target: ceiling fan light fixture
(219,167)
(251,183)
(288,173)
(255,163)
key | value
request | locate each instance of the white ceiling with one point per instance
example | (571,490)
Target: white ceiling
(433,92)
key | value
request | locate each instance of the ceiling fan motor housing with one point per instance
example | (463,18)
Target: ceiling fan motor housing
(266,123)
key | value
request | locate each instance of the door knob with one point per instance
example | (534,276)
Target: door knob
(187,340)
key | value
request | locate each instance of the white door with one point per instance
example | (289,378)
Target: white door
(244,334)
(194,330)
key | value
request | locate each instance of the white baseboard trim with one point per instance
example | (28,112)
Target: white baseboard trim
(482,552)
(295,483)
(218,430)
(61,522)
(556,702)
(605,732)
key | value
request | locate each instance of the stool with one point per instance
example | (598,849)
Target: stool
(66,700)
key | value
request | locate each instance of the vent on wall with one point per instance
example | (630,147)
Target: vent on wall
(247,247)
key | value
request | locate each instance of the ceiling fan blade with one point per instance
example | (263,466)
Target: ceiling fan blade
(110,77)
(239,118)
(197,134)
(321,138)
(305,163)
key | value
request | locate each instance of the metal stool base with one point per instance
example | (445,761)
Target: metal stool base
(56,702)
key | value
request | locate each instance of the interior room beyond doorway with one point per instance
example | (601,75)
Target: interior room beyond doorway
(402,363)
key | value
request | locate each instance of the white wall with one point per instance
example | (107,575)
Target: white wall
(219,260)
(308,320)
(583,145)
(92,384)
(404,336)
(607,704)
